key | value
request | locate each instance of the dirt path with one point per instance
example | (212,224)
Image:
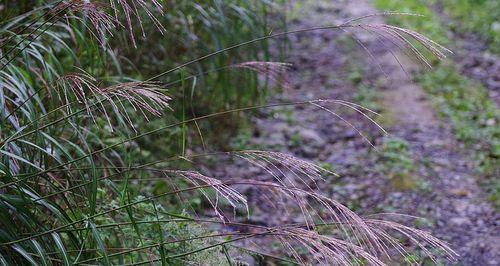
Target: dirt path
(457,204)
(442,188)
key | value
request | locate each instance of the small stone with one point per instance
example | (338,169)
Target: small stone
(460,206)
(459,221)
(459,192)
(403,181)
(350,134)
(311,136)
(490,122)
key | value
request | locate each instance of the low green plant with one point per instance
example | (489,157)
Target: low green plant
(396,162)
(396,152)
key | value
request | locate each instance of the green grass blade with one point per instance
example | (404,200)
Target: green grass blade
(41,252)
(25,254)
(100,243)
(61,248)
(160,233)
(3,262)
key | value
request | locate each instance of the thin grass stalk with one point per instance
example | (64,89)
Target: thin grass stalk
(153,132)
(238,182)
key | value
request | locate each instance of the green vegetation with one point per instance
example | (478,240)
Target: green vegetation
(396,162)
(477,16)
(465,102)
(428,24)
(102,105)
(77,124)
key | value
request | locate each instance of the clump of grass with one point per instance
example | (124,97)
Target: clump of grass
(396,162)
(67,197)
